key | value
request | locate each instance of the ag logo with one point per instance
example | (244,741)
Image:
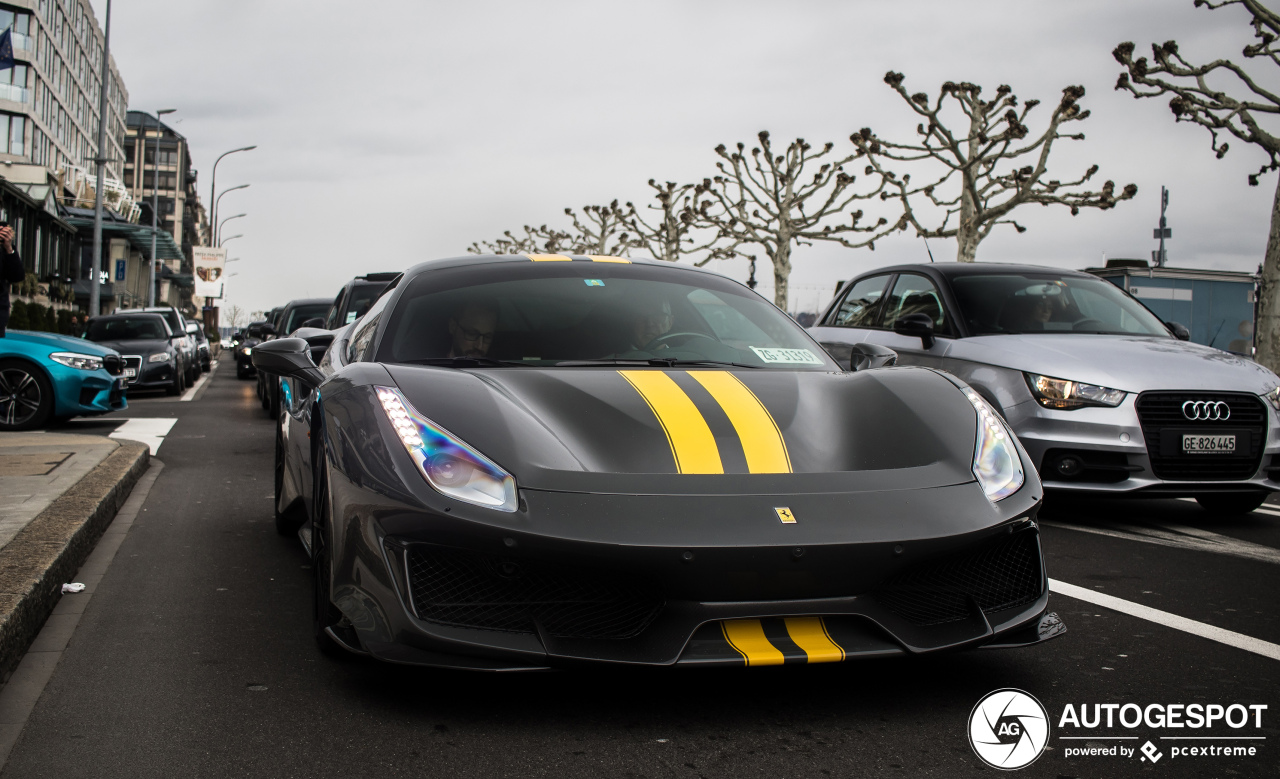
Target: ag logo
(1008,729)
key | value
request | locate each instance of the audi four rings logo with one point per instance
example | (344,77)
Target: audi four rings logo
(1214,410)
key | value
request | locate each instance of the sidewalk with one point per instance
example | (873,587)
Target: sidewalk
(58,493)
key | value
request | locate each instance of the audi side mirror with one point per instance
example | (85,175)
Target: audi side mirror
(1178,331)
(865,357)
(268,330)
(314,322)
(916,326)
(288,357)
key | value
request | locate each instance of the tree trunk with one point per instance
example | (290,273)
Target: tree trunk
(1267,329)
(967,234)
(967,243)
(781,273)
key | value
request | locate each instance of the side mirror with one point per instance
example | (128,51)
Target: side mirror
(288,357)
(1178,331)
(865,357)
(318,340)
(917,326)
(314,321)
(193,328)
(268,330)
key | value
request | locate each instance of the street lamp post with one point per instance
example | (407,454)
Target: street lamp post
(104,88)
(213,184)
(155,189)
(232,238)
(219,200)
(218,232)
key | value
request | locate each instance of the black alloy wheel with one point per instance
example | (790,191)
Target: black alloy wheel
(26,397)
(1231,504)
(176,386)
(273,397)
(287,524)
(324,613)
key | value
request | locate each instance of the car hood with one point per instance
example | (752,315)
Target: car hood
(1129,363)
(58,343)
(136,345)
(599,429)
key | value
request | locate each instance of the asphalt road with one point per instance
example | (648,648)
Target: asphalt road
(193,659)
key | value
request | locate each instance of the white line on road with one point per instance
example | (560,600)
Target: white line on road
(1268,509)
(1180,537)
(1221,635)
(149,431)
(191,393)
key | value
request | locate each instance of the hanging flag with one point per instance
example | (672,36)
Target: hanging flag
(6,49)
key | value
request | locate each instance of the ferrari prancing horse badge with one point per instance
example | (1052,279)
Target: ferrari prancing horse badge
(785,516)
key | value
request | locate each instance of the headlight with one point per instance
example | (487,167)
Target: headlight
(85,362)
(159,357)
(248,350)
(449,465)
(995,457)
(1067,395)
(1273,397)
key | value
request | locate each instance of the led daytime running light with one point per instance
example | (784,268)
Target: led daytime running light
(84,362)
(450,466)
(996,463)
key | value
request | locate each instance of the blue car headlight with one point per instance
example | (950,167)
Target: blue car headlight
(995,456)
(85,362)
(450,466)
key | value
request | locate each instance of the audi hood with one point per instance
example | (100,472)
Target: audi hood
(1129,363)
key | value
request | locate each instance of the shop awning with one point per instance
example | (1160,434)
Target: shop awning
(139,236)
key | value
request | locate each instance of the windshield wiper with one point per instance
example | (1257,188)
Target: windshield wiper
(657,362)
(465,362)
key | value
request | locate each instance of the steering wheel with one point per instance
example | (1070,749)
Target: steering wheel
(1089,324)
(662,339)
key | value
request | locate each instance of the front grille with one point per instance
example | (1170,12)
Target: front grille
(113,364)
(133,361)
(466,589)
(1163,425)
(1001,574)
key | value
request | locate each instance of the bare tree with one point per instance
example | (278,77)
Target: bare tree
(677,227)
(235,317)
(1194,99)
(601,230)
(765,199)
(980,180)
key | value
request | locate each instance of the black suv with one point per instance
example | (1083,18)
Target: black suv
(254,334)
(292,316)
(355,298)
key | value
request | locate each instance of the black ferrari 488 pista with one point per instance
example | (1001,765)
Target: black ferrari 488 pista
(532,460)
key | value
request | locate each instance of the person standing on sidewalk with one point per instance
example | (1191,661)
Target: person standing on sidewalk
(11,272)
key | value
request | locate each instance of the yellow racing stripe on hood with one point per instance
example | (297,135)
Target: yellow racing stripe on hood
(549,258)
(692,443)
(810,634)
(761,439)
(747,637)
(607,258)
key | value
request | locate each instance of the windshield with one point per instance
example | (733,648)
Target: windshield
(301,314)
(1036,302)
(363,296)
(575,313)
(126,329)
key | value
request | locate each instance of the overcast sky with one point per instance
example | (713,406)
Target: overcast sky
(395,131)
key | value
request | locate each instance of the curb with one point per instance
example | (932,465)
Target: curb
(49,550)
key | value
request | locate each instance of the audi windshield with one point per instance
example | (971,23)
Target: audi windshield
(1006,303)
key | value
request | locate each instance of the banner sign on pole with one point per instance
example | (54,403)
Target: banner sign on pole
(210,264)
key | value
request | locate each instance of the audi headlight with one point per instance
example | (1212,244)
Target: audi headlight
(1068,395)
(450,466)
(995,457)
(159,357)
(85,362)
(1273,397)
(248,350)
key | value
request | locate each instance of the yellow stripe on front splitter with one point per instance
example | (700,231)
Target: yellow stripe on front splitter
(810,634)
(761,440)
(747,637)
(549,258)
(692,443)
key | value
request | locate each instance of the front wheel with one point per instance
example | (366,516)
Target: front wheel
(175,386)
(1231,504)
(26,396)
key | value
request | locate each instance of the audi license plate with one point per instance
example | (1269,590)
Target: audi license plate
(1208,444)
(130,372)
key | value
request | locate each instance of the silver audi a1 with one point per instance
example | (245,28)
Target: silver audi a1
(1104,397)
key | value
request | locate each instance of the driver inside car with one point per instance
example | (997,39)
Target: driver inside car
(471,329)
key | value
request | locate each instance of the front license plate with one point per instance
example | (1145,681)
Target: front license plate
(1208,444)
(130,372)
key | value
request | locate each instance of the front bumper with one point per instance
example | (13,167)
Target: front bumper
(436,588)
(86,393)
(1113,446)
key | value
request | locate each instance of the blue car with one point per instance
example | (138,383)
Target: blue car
(44,376)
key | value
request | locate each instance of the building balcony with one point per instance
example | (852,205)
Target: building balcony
(15,93)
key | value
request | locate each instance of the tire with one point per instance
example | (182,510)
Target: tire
(324,613)
(241,371)
(175,387)
(273,395)
(287,524)
(26,396)
(1231,504)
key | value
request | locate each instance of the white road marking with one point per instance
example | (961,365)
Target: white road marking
(147,431)
(1268,509)
(1180,537)
(1221,635)
(191,393)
